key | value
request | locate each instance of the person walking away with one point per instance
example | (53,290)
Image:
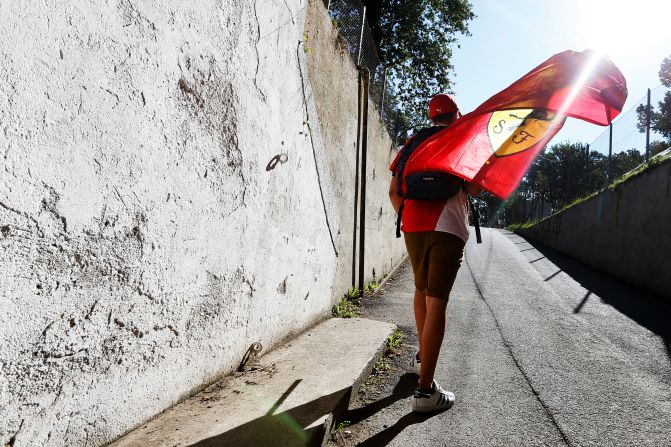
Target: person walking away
(435,234)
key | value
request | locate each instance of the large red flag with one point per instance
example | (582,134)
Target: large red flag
(494,145)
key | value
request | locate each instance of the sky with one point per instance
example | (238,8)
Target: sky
(510,37)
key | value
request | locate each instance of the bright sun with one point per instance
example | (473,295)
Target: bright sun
(621,29)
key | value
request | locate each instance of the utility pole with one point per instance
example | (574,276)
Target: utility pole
(384,88)
(587,176)
(648,112)
(610,153)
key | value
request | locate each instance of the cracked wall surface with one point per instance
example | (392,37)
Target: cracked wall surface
(166,199)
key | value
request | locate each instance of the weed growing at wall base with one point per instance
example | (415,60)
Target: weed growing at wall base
(371,286)
(345,309)
(394,341)
(340,431)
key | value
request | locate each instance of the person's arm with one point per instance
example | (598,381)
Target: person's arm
(395,199)
(473,189)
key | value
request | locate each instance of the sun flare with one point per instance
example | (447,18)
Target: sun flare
(622,29)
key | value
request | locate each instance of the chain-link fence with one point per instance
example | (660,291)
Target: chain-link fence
(629,129)
(349,17)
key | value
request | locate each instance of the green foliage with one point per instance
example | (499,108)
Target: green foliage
(371,286)
(352,294)
(339,432)
(345,309)
(394,341)
(641,169)
(660,118)
(381,365)
(656,161)
(342,426)
(415,40)
(565,173)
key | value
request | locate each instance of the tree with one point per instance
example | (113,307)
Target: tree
(624,162)
(660,119)
(415,40)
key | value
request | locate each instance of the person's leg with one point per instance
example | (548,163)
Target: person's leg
(416,245)
(445,259)
(419,304)
(432,338)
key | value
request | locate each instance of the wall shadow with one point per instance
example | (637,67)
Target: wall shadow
(288,428)
(647,309)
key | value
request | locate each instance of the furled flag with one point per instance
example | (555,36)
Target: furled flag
(494,145)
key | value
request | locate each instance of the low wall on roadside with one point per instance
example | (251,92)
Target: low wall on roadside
(624,231)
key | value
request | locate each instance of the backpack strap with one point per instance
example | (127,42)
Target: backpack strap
(398,219)
(409,147)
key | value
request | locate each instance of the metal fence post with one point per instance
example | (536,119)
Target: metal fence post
(586,175)
(610,153)
(384,89)
(328,6)
(648,111)
(363,23)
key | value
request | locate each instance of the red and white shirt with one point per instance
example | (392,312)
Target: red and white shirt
(447,215)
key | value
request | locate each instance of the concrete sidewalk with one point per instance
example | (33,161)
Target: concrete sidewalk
(290,397)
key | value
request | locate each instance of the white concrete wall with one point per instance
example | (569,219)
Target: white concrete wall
(144,243)
(625,232)
(334,80)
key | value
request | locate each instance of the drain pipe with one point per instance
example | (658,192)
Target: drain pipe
(364,80)
(356,182)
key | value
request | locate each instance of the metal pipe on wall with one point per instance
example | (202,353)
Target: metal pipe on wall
(356,181)
(364,78)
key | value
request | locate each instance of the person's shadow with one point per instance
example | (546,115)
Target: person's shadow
(403,389)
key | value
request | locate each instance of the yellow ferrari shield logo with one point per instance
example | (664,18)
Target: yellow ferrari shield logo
(514,131)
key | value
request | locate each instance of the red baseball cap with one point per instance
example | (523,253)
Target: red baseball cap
(441,104)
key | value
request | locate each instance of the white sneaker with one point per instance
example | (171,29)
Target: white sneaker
(415,364)
(437,400)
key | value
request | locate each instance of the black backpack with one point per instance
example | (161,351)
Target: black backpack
(427,185)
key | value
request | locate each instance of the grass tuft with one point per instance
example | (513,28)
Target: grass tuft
(345,309)
(394,341)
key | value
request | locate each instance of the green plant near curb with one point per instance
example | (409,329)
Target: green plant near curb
(345,309)
(340,430)
(352,294)
(342,426)
(381,365)
(394,341)
(371,286)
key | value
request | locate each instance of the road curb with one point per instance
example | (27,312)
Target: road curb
(390,274)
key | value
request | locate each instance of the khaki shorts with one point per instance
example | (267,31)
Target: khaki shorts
(435,257)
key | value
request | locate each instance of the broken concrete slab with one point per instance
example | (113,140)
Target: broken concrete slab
(290,397)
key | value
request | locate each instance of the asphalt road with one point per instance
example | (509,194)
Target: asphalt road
(539,350)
